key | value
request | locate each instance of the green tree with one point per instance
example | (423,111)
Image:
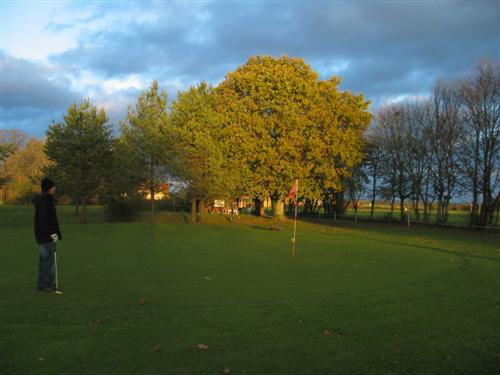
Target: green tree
(286,124)
(80,148)
(335,141)
(122,182)
(202,154)
(267,102)
(10,141)
(145,132)
(24,169)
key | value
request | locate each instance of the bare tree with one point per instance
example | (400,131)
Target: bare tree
(480,94)
(439,148)
(374,153)
(422,116)
(444,131)
(393,123)
(418,156)
(354,186)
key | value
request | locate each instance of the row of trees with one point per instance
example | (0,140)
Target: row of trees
(432,150)
(269,122)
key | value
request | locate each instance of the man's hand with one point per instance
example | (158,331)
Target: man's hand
(54,237)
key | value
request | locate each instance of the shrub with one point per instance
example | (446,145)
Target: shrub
(120,209)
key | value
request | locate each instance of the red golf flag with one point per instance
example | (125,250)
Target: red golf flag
(293,191)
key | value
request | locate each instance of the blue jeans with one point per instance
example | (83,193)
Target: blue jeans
(46,271)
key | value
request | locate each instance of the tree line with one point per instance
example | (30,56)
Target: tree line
(428,151)
(268,122)
(273,120)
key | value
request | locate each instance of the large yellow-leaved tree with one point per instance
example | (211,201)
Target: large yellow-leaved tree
(285,123)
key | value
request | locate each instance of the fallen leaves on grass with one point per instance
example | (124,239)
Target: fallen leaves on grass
(326,333)
(202,346)
(142,301)
(156,349)
(226,371)
(99,321)
(41,359)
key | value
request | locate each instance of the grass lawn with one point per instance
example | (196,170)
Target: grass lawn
(357,299)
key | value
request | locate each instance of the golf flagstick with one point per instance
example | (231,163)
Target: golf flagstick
(57,291)
(295,221)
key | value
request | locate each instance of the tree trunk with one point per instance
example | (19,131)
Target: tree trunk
(446,205)
(258,207)
(475,182)
(372,208)
(201,210)
(306,206)
(374,192)
(238,205)
(230,205)
(426,200)
(279,212)
(316,207)
(193,210)
(473,209)
(427,211)
(402,208)
(83,217)
(340,205)
(152,192)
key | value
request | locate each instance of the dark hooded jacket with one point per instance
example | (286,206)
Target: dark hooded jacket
(46,222)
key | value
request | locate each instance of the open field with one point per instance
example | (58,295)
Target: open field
(393,300)
(455,217)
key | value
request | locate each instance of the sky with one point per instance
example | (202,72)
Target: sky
(54,53)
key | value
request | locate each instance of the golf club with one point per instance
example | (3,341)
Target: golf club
(57,291)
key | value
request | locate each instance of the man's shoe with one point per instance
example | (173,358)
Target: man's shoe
(46,289)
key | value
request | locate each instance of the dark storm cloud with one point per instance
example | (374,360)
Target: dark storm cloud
(384,49)
(33,121)
(391,47)
(30,85)
(32,95)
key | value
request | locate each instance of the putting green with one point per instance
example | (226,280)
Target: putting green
(365,299)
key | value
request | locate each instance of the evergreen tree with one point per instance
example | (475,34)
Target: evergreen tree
(144,131)
(80,148)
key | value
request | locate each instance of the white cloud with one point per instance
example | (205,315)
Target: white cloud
(133,81)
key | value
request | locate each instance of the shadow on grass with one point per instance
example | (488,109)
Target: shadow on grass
(365,226)
(436,249)
(259,227)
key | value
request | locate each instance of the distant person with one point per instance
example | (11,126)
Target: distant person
(47,233)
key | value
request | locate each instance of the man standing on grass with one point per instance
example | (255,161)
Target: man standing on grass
(47,233)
